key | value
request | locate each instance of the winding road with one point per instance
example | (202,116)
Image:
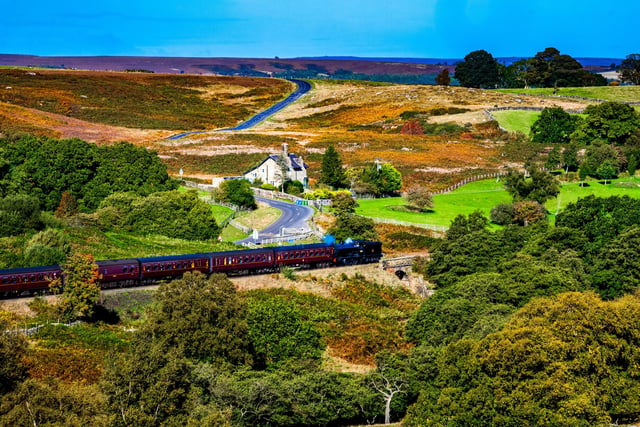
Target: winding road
(293,216)
(303,87)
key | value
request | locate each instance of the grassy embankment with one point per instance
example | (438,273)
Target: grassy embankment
(608,93)
(521,121)
(484,195)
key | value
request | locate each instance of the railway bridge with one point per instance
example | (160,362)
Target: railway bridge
(402,267)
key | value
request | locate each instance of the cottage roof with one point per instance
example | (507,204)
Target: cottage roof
(296,163)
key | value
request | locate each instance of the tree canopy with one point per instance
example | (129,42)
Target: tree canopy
(45,168)
(630,69)
(479,69)
(203,318)
(237,192)
(539,186)
(550,68)
(332,172)
(554,125)
(611,122)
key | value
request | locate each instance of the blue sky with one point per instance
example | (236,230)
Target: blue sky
(292,28)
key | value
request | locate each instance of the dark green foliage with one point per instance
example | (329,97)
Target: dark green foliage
(124,167)
(502,214)
(570,158)
(237,192)
(554,158)
(332,172)
(46,168)
(616,269)
(613,122)
(480,303)
(279,332)
(173,213)
(554,125)
(551,69)
(354,227)
(632,165)
(461,225)
(600,220)
(630,69)
(479,69)
(539,186)
(295,395)
(600,161)
(557,362)
(378,179)
(293,187)
(19,213)
(201,318)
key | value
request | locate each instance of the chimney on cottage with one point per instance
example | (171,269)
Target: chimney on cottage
(285,150)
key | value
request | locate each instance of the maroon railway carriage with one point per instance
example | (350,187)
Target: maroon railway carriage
(243,261)
(28,280)
(311,255)
(119,272)
(168,267)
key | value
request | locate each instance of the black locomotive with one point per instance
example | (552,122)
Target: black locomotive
(143,271)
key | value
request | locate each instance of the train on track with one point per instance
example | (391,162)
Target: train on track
(149,270)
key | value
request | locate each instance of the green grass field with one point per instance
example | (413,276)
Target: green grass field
(609,93)
(479,195)
(516,120)
(483,196)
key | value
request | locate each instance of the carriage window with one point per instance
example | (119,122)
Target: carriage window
(124,269)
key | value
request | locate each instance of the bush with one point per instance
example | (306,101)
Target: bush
(19,213)
(237,192)
(502,214)
(293,187)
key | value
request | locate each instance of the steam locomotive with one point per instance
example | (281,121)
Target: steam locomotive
(148,270)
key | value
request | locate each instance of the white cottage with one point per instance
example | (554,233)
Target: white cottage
(270,170)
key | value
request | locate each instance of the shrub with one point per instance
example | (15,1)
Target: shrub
(502,214)
(293,187)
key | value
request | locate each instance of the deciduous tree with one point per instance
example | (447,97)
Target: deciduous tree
(237,192)
(278,331)
(203,318)
(419,197)
(630,69)
(554,125)
(613,122)
(479,69)
(80,292)
(539,186)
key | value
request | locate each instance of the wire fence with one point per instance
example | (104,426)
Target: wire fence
(30,330)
